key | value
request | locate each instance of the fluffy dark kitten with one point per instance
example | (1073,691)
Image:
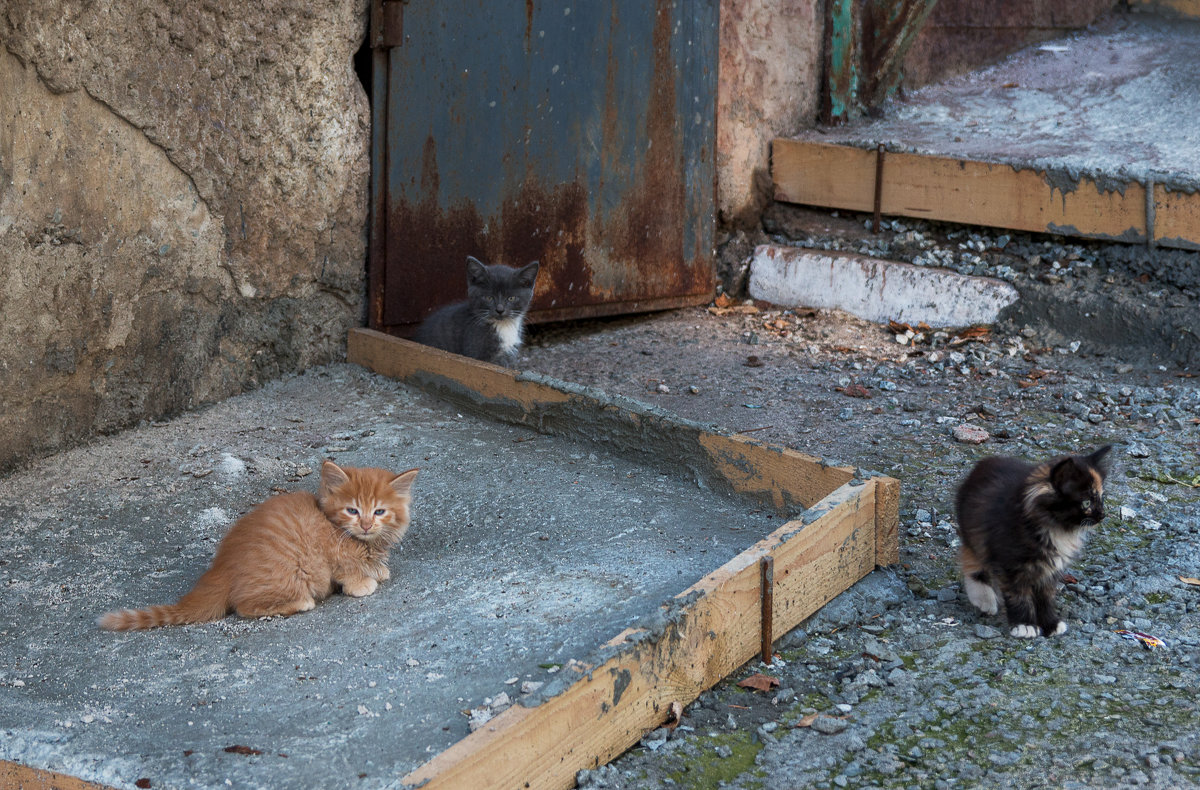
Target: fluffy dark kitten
(488,324)
(1020,525)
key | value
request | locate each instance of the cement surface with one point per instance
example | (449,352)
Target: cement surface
(525,550)
(1115,103)
(876,289)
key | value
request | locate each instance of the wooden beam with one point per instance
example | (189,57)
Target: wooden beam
(712,629)
(1177,8)
(980,193)
(783,478)
(14,776)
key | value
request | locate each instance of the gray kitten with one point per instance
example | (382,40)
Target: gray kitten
(487,325)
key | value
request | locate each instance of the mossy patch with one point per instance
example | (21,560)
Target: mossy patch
(708,770)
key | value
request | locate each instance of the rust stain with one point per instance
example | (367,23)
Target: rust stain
(549,225)
(528,24)
(646,231)
(427,248)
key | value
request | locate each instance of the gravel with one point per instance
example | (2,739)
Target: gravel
(900,682)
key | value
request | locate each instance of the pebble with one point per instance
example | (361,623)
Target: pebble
(970,434)
(986,632)
(827,725)
(1137,450)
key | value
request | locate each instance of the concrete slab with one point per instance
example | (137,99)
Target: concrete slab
(1115,103)
(875,289)
(525,551)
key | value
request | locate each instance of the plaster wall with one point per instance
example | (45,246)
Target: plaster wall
(768,86)
(183,196)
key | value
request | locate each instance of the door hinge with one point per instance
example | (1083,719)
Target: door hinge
(387,23)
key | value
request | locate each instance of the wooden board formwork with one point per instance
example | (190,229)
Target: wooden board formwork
(14,776)
(1179,8)
(976,192)
(845,527)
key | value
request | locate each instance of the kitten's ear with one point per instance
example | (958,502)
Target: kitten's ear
(332,476)
(1100,459)
(402,483)
(527,275)
(476,270)
(1064,471)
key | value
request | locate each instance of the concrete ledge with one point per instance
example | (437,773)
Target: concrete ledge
(875,289)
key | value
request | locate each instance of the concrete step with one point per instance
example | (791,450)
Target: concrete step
(1094,135)
(876,289)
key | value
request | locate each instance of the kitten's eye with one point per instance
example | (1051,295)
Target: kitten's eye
(512,299)
(352,511)
(380,512)
(1086,504)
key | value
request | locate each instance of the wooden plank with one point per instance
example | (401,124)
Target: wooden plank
(777,472)
(978,193)
(713,629)
(785,479)
(1184,8)
(403,359)
(887,521)
(14,776)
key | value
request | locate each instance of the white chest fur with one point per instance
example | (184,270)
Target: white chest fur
(509,332)
(1067,545)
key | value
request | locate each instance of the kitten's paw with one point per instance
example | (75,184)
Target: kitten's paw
(360,588)
(1026,631)
(1061,628)
(983,596)
(382,573)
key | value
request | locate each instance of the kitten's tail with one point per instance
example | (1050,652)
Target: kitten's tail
(208,600)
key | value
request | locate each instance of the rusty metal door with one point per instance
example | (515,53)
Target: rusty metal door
(581,135)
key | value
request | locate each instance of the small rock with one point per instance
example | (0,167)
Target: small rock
(986,632)
(784,696)
(654,740)
(478,717)
(970,434)
(664,389)
(500,702)
(724,751)
(827,725)
(303,471)
(232,466)
(531,686)
(1137,450)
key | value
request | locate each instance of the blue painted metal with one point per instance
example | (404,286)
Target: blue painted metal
(582,136)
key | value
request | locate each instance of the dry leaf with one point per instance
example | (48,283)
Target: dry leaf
(239,749)
(1069,578)
(759,682)
(722,300)
(1189,580)
(747,309)
(899,328)
(807,721)
(676,715)
(854,391)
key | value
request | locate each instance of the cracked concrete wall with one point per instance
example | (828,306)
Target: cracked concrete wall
(768,86)
(183,202)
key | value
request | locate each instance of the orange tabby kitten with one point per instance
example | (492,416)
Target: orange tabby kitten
(295,549)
